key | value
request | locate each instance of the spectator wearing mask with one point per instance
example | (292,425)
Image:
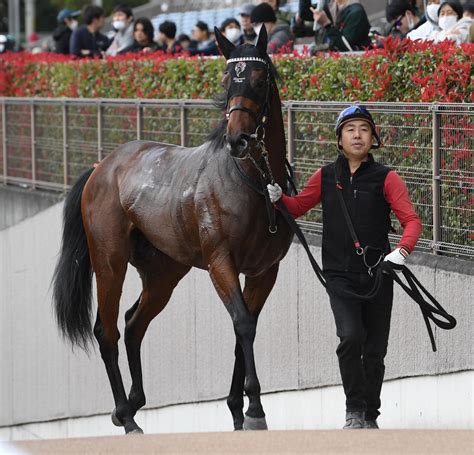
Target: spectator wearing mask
(283,17)
(350,30)
(122,22)
(167,37)
(203,43)
(67,22)
(402,17)
(249,33)
(231,30)
(280,37)
(452,23)
(87,41)
(430,29)
(143,33)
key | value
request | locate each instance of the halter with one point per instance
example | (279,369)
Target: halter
(259,118)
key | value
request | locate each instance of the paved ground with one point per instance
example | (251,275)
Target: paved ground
(292,442)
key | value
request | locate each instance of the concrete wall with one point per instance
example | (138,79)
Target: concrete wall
(188,350)
(422,402)
(18,203)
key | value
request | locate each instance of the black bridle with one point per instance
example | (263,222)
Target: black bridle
(240,87)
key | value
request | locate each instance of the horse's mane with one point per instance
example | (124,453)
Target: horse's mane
(216,137)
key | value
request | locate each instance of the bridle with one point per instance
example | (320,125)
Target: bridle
(260,117)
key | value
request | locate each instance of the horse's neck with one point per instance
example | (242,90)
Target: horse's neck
(275,141)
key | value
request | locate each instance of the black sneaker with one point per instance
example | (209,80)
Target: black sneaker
(355,420)
(371,425)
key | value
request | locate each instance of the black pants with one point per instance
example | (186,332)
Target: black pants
(363,328)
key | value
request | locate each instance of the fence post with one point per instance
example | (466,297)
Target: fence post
(65,146)
(139,121)
(33,145)
(183,118)
(291,135)
(99,131)
(4,141)
(436,186)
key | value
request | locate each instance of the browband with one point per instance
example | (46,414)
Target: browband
(246,59)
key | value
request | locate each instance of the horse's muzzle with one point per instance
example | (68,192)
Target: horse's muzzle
(238,145)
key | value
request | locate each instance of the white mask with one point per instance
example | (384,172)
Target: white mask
(432,12)
(73,25)
(257,28)
(410,23)
(233,34)
(119,25)
(447,22)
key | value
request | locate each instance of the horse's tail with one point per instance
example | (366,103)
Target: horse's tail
(72,280)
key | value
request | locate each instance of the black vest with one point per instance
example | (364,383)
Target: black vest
(367,207)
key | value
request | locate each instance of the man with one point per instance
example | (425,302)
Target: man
(202,42)
(350,29)
(67,22)
(283,17)
(167,37)
(122,22)
(249,33)
(401,14)
(87,41)
(369,190)
(280,38)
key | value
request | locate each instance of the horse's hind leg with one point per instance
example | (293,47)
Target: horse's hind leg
(158,284)
(109,255)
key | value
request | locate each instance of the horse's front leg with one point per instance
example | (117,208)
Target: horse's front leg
(244,317)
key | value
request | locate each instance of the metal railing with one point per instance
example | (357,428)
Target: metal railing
(47,143)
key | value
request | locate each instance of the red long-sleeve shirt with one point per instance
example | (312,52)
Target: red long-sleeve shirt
(396,195)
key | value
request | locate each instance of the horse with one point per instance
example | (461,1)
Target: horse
(165,209)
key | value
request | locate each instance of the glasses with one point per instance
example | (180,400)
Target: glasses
(354,110)
(397,23)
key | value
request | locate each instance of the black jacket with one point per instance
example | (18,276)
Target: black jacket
(367,207)
(61,36)
(81,39)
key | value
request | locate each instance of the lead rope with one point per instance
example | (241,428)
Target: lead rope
(414,289)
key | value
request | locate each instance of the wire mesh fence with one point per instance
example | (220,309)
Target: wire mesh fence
(48,143)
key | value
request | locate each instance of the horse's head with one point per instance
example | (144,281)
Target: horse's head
(247,81)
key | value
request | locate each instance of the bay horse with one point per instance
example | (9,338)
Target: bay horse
(165,209)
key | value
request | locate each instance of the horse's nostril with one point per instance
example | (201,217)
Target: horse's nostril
(243,144)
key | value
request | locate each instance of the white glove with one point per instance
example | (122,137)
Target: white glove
(274,191)
(397,257)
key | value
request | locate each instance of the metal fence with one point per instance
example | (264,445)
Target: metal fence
(47,143)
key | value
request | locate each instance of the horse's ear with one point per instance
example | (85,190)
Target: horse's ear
(224,44)
(262,40)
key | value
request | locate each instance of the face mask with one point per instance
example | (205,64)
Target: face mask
(410,23)
(73,25)
(432,12)
(257,28)
(118,25)
(447,22)
(232,34)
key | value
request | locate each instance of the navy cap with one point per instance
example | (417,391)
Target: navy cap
(246,10)
(66,13)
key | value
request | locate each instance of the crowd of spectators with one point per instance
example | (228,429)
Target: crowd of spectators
(334,25)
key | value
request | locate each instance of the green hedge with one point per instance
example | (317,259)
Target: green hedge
(400,71)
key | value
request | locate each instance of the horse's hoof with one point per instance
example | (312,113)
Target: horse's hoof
(137,430)
(115,419)
(255,423)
